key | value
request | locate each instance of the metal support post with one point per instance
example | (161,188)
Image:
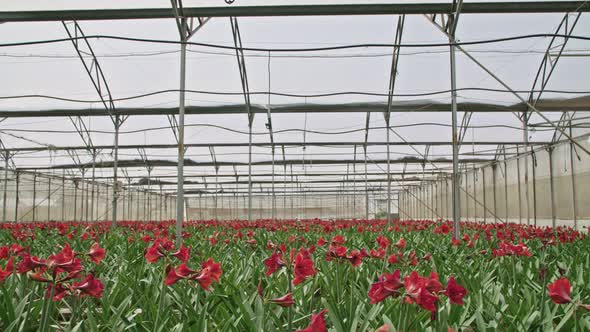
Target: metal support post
(483,186)
(63,195)
(518,183)
(494,176)
(180,179)
(34,197)
(505,190)
(48,198)
(534,166)
(115,170)
(552,188)
(17,190)
(6,157)
(455,177)
(573,176)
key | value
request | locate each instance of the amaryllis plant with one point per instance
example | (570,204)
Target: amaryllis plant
(293,275)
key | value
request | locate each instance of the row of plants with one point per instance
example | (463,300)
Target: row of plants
(293,275)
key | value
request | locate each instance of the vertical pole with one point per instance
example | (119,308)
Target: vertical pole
(483,186)
(130,204)
(160,198)
(82,195)
(494,167)
(6,156)
(388,175)
(86,200)
(552,188)
(137,204)
(48,198)
(534,189)
(455,177)
(180,177)
(92,212)
(573,176)
(75,200)
(474,194)
(249,170)
(107,203)
(17,198)
(115,170)
(34,196)
(505,191)
(366,188)
(273,184)
(63,195)
(525,136)
(519,191)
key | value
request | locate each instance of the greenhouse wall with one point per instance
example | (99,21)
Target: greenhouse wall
(499,190)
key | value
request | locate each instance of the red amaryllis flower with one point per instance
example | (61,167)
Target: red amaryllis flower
(382,241)
(393,259)
(337,239)
(379,253)
(454,291)
(355,258)
(182,254)
(387,285)
(274,263)
(283,301)
(180,272)
(336,252)
(3,252)
(7,271)
(318,323)
(427,301)
(303,267)
(89,286)
(433,285)
(560,290)
(321,242)
(96,253)
(158,249)
(59,292)
(401,243)
(210,272)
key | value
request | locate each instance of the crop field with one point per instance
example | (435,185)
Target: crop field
(309,275)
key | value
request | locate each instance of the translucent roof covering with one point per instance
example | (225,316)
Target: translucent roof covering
(144,74)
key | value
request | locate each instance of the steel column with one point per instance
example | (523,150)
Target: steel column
(485,208)
(573,176)
(17,197)
(34,197)
(6,157)
(552,188)
(519,191)
(180,178)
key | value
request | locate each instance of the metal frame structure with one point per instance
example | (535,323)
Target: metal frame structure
(417,192)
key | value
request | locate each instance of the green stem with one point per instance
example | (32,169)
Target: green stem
(74,312)
(543,290)
(290,309)
(162,296)
(46,309)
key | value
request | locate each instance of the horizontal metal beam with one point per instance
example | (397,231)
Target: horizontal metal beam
(297,10)
(263,144)
(580,104)
(309,162)
(157,183)
(277,175)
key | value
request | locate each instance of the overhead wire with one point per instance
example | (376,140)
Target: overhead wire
(293,95)
(310,49)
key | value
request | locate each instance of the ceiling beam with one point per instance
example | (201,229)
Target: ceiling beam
(297,10)
(237,145)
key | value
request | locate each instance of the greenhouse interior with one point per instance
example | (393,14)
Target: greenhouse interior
(272,165)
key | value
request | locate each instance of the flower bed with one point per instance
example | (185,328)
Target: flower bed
(312,275)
